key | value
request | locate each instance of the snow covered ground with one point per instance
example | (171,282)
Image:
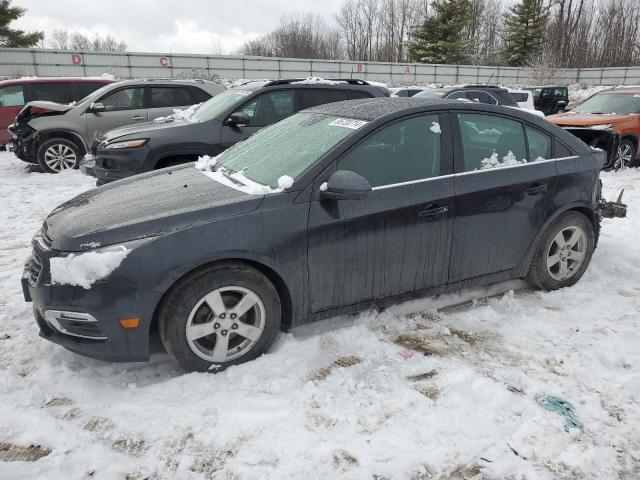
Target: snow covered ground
(337,399)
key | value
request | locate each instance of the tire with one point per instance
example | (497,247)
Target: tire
(58,154)
(547,270)
(626,155)
(187,309)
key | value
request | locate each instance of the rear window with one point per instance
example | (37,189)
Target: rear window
(199,95)
(52,92)
(162,97)
(11,96)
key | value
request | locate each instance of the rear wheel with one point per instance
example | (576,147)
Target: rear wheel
(220,316)
(626,155)
(58,154)
(563,253)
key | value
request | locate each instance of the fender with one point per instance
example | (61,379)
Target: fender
(51,133)
(526,261)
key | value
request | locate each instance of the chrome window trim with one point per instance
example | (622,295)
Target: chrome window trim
(51,316)
(411,182)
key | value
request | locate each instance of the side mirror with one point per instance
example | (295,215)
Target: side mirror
(97,107)
(238,119)
(346,185)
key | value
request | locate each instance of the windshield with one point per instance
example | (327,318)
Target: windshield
(611,103)
(430,94)
(219,104)
(286,148)
(95,94)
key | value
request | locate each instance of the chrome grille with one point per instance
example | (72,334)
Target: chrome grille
(33,269)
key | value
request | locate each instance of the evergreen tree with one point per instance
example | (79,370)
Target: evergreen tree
(15,38)
(525,25)
(441,38)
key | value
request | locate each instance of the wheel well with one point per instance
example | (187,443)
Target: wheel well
(172,160)
(72,137)
(274,278)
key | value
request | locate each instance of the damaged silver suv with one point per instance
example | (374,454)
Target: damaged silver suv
(56,136)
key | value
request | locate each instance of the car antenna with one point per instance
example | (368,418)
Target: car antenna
(490,77)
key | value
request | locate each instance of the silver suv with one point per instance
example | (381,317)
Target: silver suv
(56,136)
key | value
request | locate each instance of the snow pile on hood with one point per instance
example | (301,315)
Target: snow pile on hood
(178,114)
(493,161)
(317,80)
(238,180)
(85,269)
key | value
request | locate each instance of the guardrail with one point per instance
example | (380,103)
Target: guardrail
(16,62)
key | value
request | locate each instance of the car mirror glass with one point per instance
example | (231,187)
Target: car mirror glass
(346,185)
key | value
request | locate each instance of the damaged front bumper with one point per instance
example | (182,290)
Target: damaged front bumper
(23,142)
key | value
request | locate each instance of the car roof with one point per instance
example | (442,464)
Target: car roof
(300,83)
(635,90)
(23,80)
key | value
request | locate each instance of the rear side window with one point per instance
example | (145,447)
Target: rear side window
(199,95)
(124,99)
(539,145)
(402,93)
(401,152)
(11,96)
(519,97)
(489,141)
(562,151)
(163,97)
(87,88)
(480,97)
(356,94)
(313,97)
(52,92)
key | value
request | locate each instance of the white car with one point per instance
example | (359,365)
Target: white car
(524,98)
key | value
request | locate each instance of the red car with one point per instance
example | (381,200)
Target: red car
(14,94)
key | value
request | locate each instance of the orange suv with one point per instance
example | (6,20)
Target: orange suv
(617,109)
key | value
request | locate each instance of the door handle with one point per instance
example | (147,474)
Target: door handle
(535,189)
(137,117)
(432,211)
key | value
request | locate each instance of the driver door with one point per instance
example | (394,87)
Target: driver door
(124,106)
(398,239)
(263,110)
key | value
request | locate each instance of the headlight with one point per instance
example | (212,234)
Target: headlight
(127,144)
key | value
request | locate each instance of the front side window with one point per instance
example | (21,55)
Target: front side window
(270,107)
(11,96)
(87,88)
(124,99)
(539,145)
(163,97)
(52,92)
(489,141)
(286,148)
(401,152)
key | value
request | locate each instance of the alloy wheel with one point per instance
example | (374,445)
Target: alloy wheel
(566,253)
(60,157)
(623,157)
(225,324)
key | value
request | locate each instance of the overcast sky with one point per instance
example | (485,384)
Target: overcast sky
(182,26)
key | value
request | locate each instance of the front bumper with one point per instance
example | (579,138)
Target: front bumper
(108,165)
(84,321)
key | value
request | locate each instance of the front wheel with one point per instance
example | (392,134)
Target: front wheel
(563,253)
(625,155)
(58,154)
(220,316)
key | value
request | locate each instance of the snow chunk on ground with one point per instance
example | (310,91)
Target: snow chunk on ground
(178,114)
(435,127)
(84,269)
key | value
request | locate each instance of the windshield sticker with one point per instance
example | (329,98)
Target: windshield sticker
(348,123)
(242,93)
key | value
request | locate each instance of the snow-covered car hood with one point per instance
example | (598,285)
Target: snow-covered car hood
(41,108)
(143,130)
(143,206)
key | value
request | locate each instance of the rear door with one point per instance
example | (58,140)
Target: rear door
(504,182)
(397,240)
(164,99)
(123,106)
(263,110)
(11,102)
